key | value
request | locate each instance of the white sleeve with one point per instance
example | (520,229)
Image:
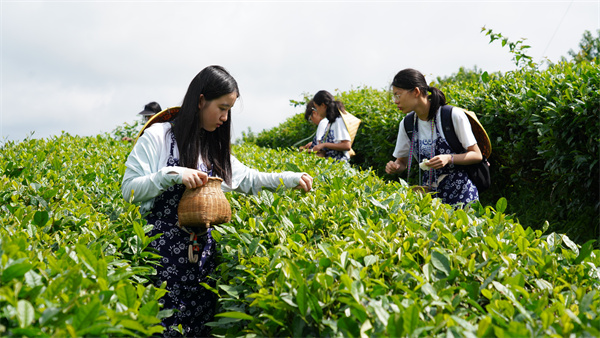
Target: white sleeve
(321,129)
(462,127)
(340,131)
(144,176)
(247,180)
(402,142)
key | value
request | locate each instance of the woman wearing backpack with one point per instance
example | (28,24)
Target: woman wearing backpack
(334,141)
(440,169)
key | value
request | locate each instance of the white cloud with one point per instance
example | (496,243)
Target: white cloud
(86,67)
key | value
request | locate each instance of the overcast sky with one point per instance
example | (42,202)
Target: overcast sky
(85,67)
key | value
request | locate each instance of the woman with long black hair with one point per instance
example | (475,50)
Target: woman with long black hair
(428,145)
(335,140)
(172,156)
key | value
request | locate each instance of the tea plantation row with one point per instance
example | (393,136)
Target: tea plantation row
(357,256)
(544,128)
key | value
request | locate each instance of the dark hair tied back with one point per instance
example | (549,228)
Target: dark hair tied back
(410,79)
(333,107)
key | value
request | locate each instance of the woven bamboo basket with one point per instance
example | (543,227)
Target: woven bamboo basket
(483,140)
(352,122)
(204,206)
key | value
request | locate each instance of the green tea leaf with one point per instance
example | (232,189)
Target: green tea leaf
(440,262)
(40,218)
(235,315)
(88,258)
(292,167)
(316,311)
(501,205)
(16,270)
(370,260)
(127,295)
(585,251)
(485,77)
(570,244)
(86,314)
(411,319)
(25,313)
(301,300)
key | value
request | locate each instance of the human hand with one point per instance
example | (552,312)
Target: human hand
(439,161)
(193,178)
(392,167)
(306,146)
(305,183)
(317,148)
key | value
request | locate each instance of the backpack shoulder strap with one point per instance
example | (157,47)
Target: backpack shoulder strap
(409,124)
(448,127)
(324,137)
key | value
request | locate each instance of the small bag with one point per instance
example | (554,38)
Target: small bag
(479,173)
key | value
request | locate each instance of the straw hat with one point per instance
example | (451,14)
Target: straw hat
(352,122)
(483,140)
(163,116)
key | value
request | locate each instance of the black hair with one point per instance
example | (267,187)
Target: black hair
(310,107)
(194,141)
(410,79)
(333,107)
(153,106)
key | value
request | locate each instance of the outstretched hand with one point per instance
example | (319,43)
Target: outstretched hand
(194,178)
(305,183)
(393,167)
(306,147)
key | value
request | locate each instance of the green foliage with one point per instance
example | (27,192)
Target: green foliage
(544,131)
(589,48)
(379,127)
(356,256)
(543,123)
(128,130)
(379,117)
(361,256)
(517,48)
(287,134)
(73,260)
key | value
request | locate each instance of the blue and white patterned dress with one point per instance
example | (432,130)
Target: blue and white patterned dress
(329,137)
(456,187)
(194,304)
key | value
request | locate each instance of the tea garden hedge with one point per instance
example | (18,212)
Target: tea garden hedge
(357,256)
(360,255)
(543,122)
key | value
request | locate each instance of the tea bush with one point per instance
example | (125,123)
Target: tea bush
(356,256)
(544,130)
(359,256)
(73,259)
(543,125)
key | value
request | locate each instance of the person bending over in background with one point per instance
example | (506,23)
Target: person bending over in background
(311,115)
(450,183)
(150,110)
(334,141)
(172,156)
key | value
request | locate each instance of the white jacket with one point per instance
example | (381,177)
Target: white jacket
(147,174)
